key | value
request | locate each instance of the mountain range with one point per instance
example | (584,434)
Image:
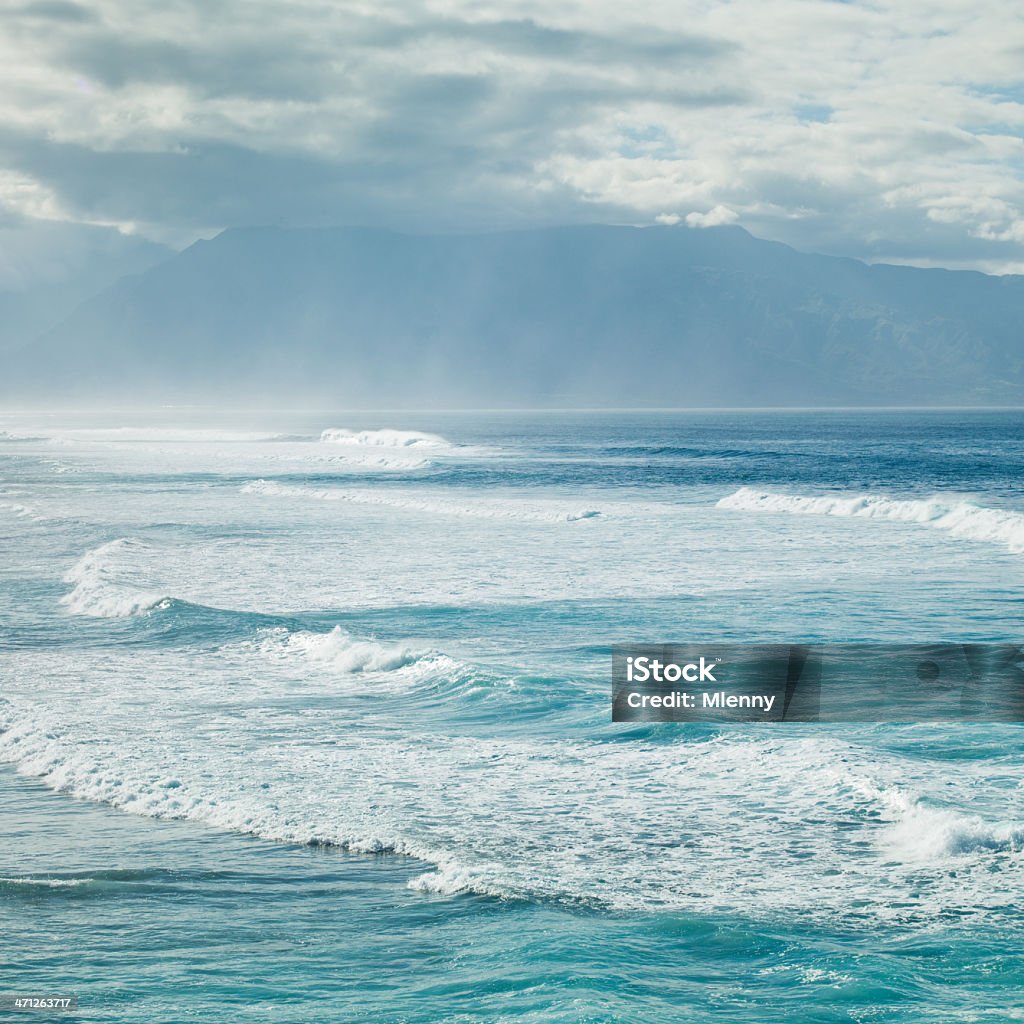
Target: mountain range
(559,317)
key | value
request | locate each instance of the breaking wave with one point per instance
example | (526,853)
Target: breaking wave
(479,510)
(384,438)
(959,518)
(540,819)
(46,883)
(103,587)
(313,657)
(920,831)
(338,650)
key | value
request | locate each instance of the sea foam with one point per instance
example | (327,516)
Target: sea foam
(7,435)
(19,511)
(436,506)
(546,820)
(920,831)
(103,584)
(364,664)
(959,518)
(47,883)
(339,650)
(383,438)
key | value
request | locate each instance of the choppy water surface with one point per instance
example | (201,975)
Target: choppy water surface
(350,674)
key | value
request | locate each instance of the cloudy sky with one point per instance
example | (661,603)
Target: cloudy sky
(888,130)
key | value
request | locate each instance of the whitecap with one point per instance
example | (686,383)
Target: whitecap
(103,585)
(383,438)
(959,518)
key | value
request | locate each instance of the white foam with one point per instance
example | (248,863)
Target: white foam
(763,826)
(453,879)
(7,435)
(370,460)
(362,665)
(383,438)
(959,518)
(103,586)
(189,450)
(47,883)
(438,506)
(18,510)
(923,832)
(340,651)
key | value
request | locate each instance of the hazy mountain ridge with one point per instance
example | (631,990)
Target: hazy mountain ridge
(47,273)
(584,315)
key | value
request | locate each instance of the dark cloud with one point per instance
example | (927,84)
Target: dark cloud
(528,38)
(259,70)
(305,65)
(228,185)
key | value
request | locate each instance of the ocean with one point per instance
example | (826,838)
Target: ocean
(307,716)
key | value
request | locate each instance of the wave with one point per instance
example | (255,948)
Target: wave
(678,452)
(127,577)
(926,833)
(346,460)
(102,586)
(548,821)
(477,510)
(382,459)
(190,449)
(6,435)
(393,667)
(539,819)
(19,511)
(455,879)
(125,779)
(920,831)
(46,883)
(384,438)
(959,518)
(339,650)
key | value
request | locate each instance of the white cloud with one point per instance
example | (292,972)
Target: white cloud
(713,218)
(889,130)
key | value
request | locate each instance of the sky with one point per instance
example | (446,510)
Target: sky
(888,131)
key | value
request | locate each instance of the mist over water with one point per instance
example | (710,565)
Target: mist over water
(585,316)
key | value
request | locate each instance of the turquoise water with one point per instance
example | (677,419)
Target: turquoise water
(352,690)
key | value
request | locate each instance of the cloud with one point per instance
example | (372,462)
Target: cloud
(51,10)
(882,130)
(713,218)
